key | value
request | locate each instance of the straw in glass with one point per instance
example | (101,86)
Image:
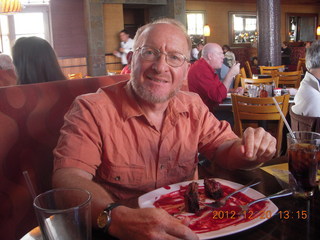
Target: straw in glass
(29,184)
(283,118)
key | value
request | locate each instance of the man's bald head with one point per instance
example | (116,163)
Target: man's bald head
(213,54)
(210,48)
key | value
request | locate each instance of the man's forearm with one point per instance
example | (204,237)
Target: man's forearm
(228,80)
(75,178)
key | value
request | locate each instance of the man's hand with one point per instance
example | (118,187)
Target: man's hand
(147,223)
(234,70)
(257,145)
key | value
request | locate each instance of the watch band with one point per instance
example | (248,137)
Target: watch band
(107,212)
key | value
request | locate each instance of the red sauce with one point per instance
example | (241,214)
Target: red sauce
(208,219)
(167,187)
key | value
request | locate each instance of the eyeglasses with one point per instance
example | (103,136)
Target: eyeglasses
(173,59)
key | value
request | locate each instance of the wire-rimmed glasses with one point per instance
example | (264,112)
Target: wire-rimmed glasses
(173,59)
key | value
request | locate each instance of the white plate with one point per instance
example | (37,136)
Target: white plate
(147,200)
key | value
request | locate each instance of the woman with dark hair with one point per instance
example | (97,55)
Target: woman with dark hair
(229,57)
(35,61)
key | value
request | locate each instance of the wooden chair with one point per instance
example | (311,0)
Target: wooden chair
(243,72)
(268,81)
(301,66)
(267,70)
(246,109)
(237,81)
(248,69)
(291,79)
(75,75)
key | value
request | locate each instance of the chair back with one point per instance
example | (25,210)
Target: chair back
(301,66)
(248,69)
(291,79)
(237,81)
(267,81)
(304,123)
(249,111)
(243,72)
(267,70)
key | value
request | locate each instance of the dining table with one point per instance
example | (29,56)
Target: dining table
(296,218)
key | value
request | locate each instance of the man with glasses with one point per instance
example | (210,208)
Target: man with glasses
(204,80)
(133,137)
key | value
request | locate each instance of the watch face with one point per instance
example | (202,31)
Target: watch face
(102,219)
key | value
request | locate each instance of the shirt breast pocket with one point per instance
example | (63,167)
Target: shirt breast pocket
(128,176)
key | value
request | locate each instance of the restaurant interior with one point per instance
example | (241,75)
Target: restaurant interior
(85,33)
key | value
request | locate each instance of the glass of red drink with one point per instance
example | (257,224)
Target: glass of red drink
(303,152)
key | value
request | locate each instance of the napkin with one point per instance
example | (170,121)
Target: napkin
(279,171)
(282,174)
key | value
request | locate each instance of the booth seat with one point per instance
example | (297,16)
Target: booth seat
(30,119)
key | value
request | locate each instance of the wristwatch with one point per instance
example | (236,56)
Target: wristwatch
(104,218)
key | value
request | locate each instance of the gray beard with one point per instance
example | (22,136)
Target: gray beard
(147,95)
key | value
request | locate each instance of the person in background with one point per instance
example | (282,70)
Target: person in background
(307,98)
(229,57)
(204,80)
(127,68)
(7,71)
(138,135)
(35,61)
(195,51)
(126,45)
(285,53)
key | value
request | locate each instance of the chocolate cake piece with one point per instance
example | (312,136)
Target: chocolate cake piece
(212,188)
(191,198)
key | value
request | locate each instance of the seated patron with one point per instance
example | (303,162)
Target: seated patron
(229,57)
(203,79)
(285,53)
(7,72)
(35,61)
(133,137)
(307,98)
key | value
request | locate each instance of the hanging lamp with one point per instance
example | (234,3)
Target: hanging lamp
(10,6)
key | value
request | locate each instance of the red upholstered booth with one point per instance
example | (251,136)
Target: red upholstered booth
(30,119)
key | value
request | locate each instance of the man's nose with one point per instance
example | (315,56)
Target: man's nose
(160,64)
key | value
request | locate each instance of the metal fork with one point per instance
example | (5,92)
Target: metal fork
(222,201)
(283,193)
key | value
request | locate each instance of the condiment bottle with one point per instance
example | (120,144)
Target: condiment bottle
(263,91)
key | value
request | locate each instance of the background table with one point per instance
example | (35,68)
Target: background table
(278,227)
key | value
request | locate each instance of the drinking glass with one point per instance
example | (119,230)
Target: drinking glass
(64,213)
(303,152)
(253,90)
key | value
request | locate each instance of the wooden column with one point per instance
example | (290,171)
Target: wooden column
(173,9)
(95,32)
(269,23)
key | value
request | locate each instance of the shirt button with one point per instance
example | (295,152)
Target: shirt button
(117,178)
(162,166)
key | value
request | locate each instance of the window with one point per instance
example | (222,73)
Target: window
(33,20)
(195,24)
(242,28)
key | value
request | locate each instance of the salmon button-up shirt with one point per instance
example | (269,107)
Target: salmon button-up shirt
(107,134)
